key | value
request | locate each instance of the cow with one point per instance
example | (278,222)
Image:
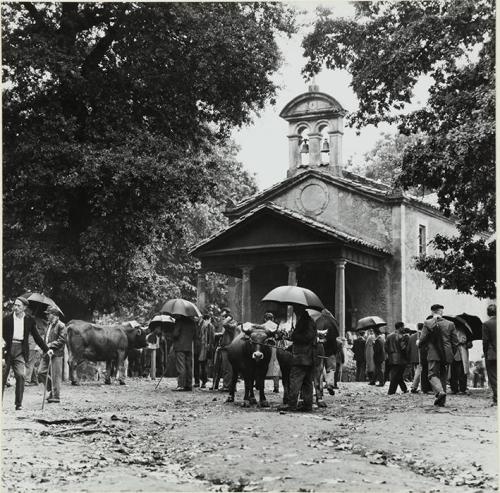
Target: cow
(325,358)
(249,354)
(109,343)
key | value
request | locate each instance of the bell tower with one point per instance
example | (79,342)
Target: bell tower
(316,124)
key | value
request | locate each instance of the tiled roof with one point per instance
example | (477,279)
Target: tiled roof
(348,238)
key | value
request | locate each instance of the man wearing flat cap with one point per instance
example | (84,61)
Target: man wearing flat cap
(440,337)
(16,329)
(55,337)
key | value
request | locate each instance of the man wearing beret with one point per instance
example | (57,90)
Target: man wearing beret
(440,337)
(55,337)
(16,329)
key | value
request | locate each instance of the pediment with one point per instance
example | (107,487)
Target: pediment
(312,103)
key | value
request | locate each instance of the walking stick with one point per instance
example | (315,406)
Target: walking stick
(49,368)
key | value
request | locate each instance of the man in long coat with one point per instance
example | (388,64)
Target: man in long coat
(203,336)
(183,336)
(460,365)
(370,364)
(395,347)
(490,349)
(440,337)
(379,356)
(358,348)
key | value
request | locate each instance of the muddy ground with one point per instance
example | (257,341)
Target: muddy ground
(136,438)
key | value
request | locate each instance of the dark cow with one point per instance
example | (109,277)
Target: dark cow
(326,350)
(88,341)
(249,356)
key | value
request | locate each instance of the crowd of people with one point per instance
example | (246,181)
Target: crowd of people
(429,359)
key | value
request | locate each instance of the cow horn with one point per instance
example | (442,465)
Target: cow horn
(247,327)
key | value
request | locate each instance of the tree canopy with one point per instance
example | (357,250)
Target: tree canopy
(116,124)
(387,48)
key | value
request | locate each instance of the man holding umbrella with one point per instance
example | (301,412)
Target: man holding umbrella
(55,337)
(304,337)
(16,331)
(184,331)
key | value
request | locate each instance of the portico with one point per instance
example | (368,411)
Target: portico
(272,246)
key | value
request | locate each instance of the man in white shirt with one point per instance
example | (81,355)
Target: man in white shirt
(16,329)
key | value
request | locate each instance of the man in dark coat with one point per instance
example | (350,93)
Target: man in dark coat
(379,357)
(222,365)
(55,337)
(440,337)
(418,358)
(358,348)
(396,346)
(304,338)
(16,329)
(490,349)
(203,337)
(183,336)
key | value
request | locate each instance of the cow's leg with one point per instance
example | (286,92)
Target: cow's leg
(232,385)
(253,381)
(261,381)
(330,366)
(107,378)
(72,370)
(120,367)
(248,389)
(318,383)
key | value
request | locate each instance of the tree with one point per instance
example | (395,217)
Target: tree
(115,118)
(387,47)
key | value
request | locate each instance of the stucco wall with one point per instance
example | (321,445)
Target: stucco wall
(347,211)
(420,291)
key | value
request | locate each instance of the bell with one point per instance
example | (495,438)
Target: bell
(325,147)
(304,148)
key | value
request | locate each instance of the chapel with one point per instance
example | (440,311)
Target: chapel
(351,240)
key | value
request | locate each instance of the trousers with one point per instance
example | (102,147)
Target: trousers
(55,378)
(396,373)
(438,373)
(458,380)
(15,360)
(491,368)
(184,367)
(301,379)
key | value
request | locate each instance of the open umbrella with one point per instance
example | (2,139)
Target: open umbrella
(461,324)
(314,314)
(179,306)
(475,323)
(294,295)
(370,323)
(39,303)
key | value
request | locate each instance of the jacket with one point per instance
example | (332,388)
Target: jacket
(396,345)
(370,364)
(413,352)
(490,339)
(56,338)
(304,341)
(358,348)
(29,328)
(379,355)
(440,337)
(203,338)
(183,335)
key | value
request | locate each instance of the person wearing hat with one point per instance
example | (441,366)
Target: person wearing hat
(16,330)
(55,337)
(440,337)
(396,344)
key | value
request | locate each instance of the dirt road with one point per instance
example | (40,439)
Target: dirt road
(136,438)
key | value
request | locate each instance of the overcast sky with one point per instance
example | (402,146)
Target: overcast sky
(264,145)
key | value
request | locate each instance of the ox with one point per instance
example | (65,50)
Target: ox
(325,358)
(88,341)
(249,355)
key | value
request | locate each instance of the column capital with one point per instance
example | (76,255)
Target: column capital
(246,268)
(292,265)
(340,262)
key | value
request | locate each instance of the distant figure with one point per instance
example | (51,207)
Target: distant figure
(274,367)
(460,365)
(414,358)
(203,336)
(358,348)
(490,349)
(370,364)
(183,337)
(379,357)
(478,376)
(222,365)
(440,337)
(396,345)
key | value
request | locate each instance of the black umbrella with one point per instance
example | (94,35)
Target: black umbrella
(294,295)
(39,303)
(370,323)
(461,324)
(179,306)
(470,324)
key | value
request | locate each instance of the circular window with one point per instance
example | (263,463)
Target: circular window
(313,198)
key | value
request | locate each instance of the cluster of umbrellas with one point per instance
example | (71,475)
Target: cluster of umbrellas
(38,303)
(170,309)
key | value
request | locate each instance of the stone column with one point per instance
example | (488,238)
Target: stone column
(246,300)
(292,281)
(315,149)
(201,298)
(335,142)
(294,159)
(340,294)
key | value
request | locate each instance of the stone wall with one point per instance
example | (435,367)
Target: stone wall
(420,291)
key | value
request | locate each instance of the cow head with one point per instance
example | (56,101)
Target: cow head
(136,337)
(257,336)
